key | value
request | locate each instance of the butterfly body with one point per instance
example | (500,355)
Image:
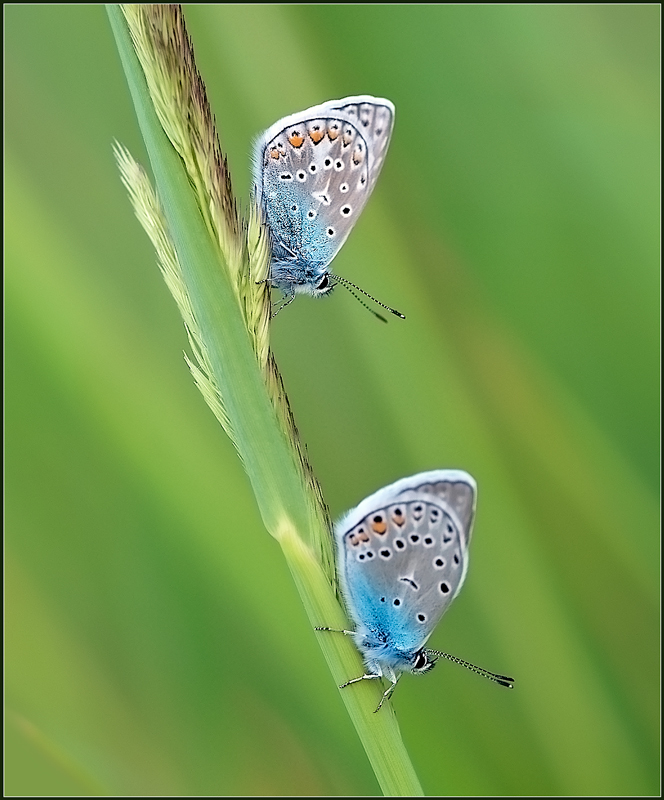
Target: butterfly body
(314,172)
(402,559)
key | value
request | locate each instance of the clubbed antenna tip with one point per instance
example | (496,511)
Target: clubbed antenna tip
(347,284)
(503,680)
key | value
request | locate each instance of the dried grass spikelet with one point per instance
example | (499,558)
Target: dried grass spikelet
(178,93)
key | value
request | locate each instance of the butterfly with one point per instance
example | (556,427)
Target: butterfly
(313,174)
(402,557)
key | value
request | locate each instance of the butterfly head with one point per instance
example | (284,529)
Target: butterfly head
(291,275)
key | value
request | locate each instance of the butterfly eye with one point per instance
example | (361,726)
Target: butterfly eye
(324,283)
(420,660)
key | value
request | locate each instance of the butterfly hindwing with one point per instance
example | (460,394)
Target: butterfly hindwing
(404,564)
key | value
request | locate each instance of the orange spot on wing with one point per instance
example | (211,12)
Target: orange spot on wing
(274,152)
(316,135)
(296,139)
(378,527)
(333,133)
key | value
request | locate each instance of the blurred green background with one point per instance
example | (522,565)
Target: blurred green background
(155,642)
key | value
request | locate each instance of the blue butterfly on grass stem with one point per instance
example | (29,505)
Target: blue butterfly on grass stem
(313,174)
(402,557)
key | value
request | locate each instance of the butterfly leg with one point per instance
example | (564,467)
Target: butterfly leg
(334,630)
(387,693)
(282,303)
(361,678)
(289,299)
(370,677)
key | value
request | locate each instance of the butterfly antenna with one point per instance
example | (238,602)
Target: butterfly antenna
(347,284)
(503,680)
(361,301)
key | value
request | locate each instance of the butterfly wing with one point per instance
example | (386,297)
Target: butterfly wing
(403,555)
(374,118)
(314,172)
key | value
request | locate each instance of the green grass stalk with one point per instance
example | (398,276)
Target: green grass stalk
(212,259)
